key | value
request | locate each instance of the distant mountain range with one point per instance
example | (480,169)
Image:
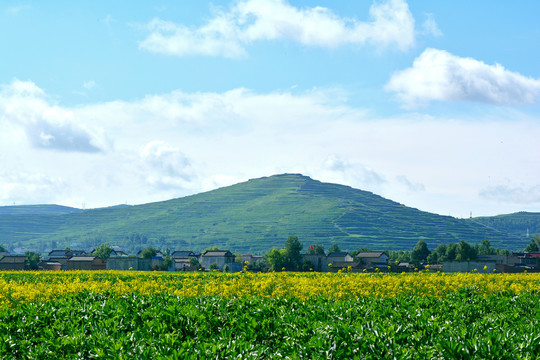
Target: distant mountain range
(253,217)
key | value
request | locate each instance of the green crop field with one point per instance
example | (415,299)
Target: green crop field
(129,315)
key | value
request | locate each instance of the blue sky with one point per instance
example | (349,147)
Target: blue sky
(431,104)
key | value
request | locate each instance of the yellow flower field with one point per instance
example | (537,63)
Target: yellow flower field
(20,287)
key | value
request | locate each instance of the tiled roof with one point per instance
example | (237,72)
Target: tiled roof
(13,259)
(338,254)
(217,253)
(82,258)
(369,254)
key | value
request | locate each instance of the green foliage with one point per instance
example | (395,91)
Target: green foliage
(316,249)
(486,249)
(103,251)
(3,249)
(420,252)
(334,248)
(213,248)
(399,256)
(193,262)
(213,266)
(293,258)
(276,259)
(148,253)
(465,252)
(166,264)
(464,325)
(31,260)
(532,247)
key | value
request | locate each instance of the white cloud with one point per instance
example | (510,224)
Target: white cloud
(90,84)
(412,186)
(429,27)
(166,166)
(47,126)
(515,194)
(439,75)
(178,143)
(228,33)
(20,187)
(17,9)
(337,169)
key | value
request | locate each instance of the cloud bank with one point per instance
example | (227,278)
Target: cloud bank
(47,126)
(228,33)
(439,75)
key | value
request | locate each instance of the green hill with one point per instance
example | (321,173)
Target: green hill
(252,217)
(520,224)
(37,209)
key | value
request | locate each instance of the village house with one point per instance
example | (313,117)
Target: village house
(220,258)
(318,261)
(251,258)
(128,263)
(337,257)
(12,262)
(348,266)
(62,256)
(86,263)
(182,264)
(373,259)
(184,254)
(49,265)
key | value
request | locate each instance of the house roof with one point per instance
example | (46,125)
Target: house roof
(59,252)
(83,258)
(217,253)
(370,254)
(338,254)
(182,253)
(13,259)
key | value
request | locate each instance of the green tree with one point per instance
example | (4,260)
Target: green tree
(166,264)
(3,249)
(293,258)
(316,249)
(465,252)
(213,248)
(451,252)
(420,252)
(532,247)
(276,259)
(148,253)
(31,260)
(334,248)
(440,253)
(485,248)
(193,262)
(213,266)
(103,251)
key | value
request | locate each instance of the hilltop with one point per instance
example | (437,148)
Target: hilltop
(252,216)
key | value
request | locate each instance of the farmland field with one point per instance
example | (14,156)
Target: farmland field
(135,315)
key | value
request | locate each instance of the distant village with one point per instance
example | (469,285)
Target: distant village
(150,259)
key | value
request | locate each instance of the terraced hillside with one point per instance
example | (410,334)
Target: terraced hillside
(253,216)
(518,224)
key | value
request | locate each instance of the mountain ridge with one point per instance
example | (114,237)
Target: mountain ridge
(254,216)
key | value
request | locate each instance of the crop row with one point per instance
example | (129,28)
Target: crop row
(88,325)
(20,287)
